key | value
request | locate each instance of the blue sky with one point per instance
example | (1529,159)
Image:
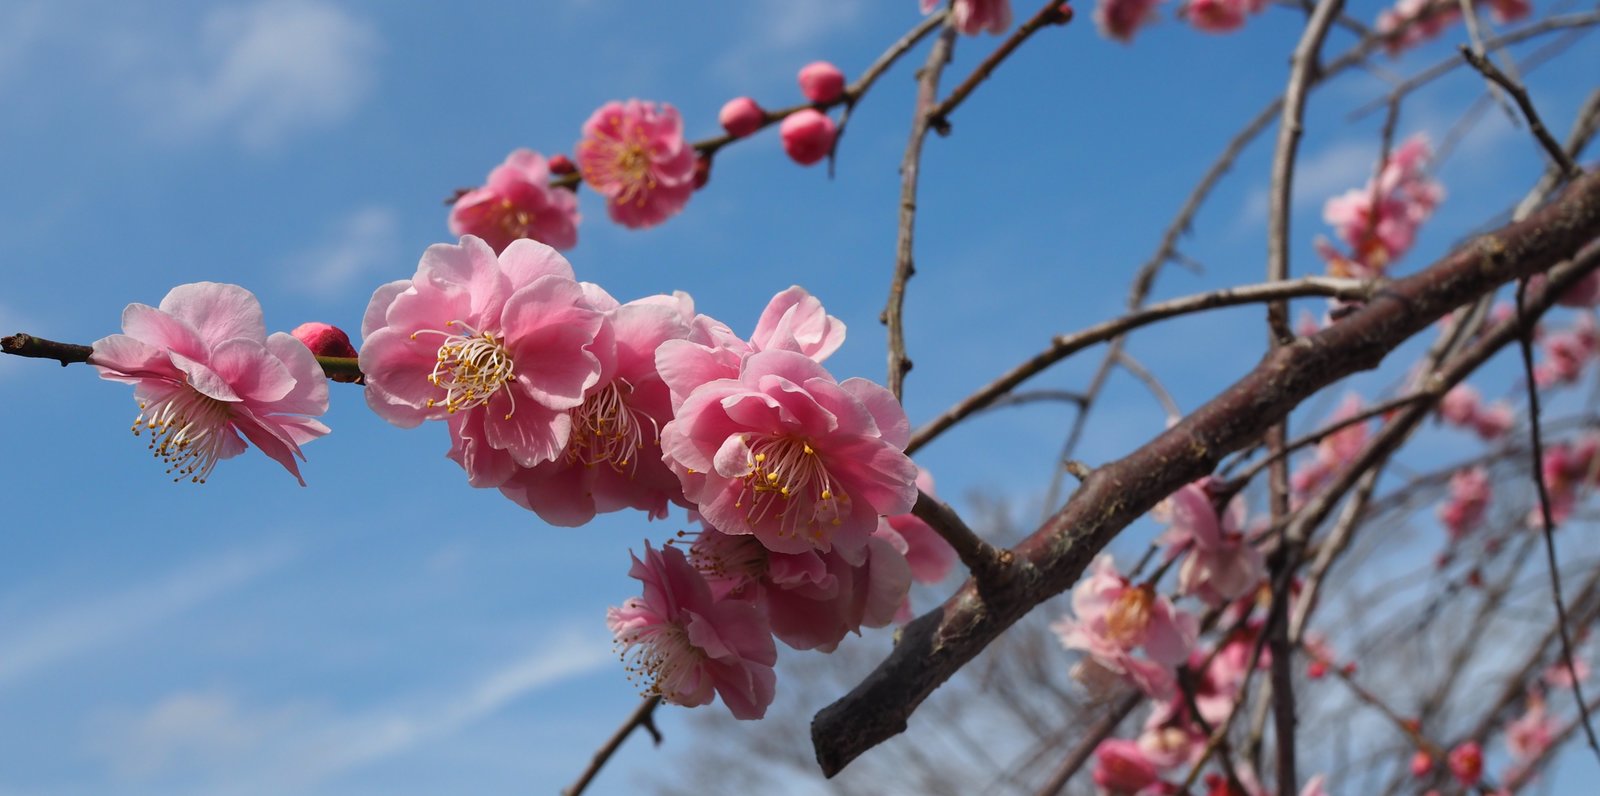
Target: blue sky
(390,630)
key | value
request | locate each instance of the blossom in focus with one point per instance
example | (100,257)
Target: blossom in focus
(499,346)
(612,459)
(207,377)
(1468,499)
(1112,618)
(789,454)
(807,135)
(518,202)
(634,155)
(812,598)
(1379,222)
(821,81)
(1466,762)
(741,116)
(928,554)
(1219,564)
(687,645)
(975,16)
(1120,19)
(1412,22)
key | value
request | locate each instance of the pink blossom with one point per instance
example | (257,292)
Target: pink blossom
(634,155)
(1494,420)
(1559,675)
(1421,763)
(1112,618)
(518,202)
(1412,22)
(1566,352)
(1565,467)
(1220,16)
(1584,293)
(741,116)
(1459,406)
(930,556)
(807,136)
(1529,735)
(1120,19)
(204,371)
(1167,746)
(1466,762)
(787,453)
(1335,451)
(1469,499)
(1316,786)
(975,16)
(1379,222)
(813,598)
(1505,11)
(501,347)
(612,459)
(685,644)
(1122,769)
(821,81)
(1219,564)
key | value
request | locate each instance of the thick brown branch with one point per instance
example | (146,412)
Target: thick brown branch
(1050,14)
(933,647)
(26,345)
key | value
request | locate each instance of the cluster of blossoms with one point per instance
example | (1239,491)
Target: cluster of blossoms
(1378,222)
(572,403)
(1567,467)
(1333,452)
(1463,407)
(1566,352)
(1467,500)
(1412,22)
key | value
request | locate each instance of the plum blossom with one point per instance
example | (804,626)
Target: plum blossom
(1466,762)
(812,598)
(1566,466)
(1219,564)
(1379,222)
(1120,19)
(1469,495)
(208,377)
(1505,11)
(612,459)
(518,202)
(1412,22)
(821,81)
(1121,767)
(1220,16)
(789,454)
(1566,352)
(1334,451)
(1111,618)
(975,16)
(1529,735)
(685,644)
(500,347)
(741,116)
(807,135)
(1462,407)
(634,155)
(1559,675)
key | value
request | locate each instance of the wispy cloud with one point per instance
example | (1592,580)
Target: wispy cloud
(22,28)
(265,72)
(777,28)
(31,646)
(356,244)
(209,742)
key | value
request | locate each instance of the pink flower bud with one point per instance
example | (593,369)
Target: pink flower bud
(807,136)
(324,340)
(821,81)
(1064,13)
(561,165)
(1466,763)
(1421,764)
(741,116)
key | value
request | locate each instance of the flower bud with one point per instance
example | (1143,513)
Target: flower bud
(807,136)
(741,116)
(325,340)
(821,81)
(561,165)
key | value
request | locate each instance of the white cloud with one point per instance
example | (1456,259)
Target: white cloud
(209,740)
(358,243)
(1317,177)
(778,28)
(265,72)
(31,646)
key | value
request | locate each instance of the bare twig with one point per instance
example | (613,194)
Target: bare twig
(642,716)
(1050,14)
(1086,745)
(1520,94)
(1151,383)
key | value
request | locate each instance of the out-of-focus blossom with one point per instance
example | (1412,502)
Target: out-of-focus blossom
(1379,222)
(1505,11)
(741,116)
(1529,735)
(821,81)
(204,372)
(807,135)
(1334,451)
(1559,675)
(1412,22)
(1463,408)
(634,155)
(1122,769)
(687,645)
(518,202)
(975,16)
(1566,352)
(1466,763)
(790,455)
(1421,763)
(1120,19)
(1220,16)
(1111,619)
(928,554)
(1219,563)
(499,346)
(1463,510)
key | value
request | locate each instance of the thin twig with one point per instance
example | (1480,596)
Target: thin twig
(1332,428)
(1066,345)
(1050,14)
(981,558)
(1151,383)
(642,716)
(1085,746)
(910,166)
(1546,522)
(1520,94)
